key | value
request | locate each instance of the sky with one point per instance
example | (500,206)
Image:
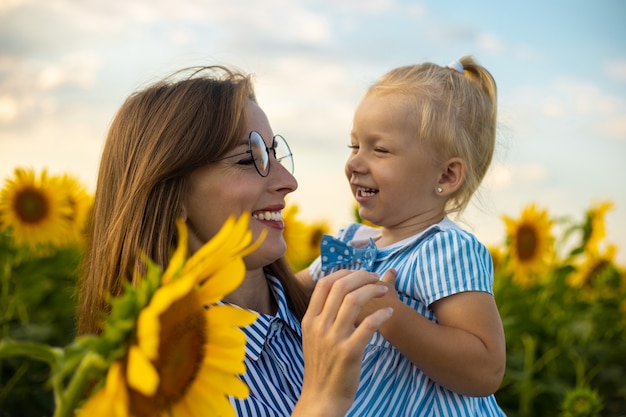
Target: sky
(66,66)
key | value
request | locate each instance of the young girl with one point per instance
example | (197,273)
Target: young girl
(422,139)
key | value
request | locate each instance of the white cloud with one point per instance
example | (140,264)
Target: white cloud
(605,111)
(553,108)
(506,176)
(615,127)
(8,5)
(363,6)
(31,87)
(490,43)
(301,26)
(577,106)
(499,176)
(323,91)
(74,69)
(8,109)
(588,98)
(61,145)
(180,37)
(616,70)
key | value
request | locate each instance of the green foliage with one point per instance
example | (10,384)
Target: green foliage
(565,331)
(565,336)
(36,305)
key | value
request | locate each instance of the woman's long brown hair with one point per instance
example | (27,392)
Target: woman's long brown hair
(157,138)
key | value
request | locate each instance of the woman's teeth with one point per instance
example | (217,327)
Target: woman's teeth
(269,215)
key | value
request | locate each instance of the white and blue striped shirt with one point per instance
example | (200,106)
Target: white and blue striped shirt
(441,261)
(274,362)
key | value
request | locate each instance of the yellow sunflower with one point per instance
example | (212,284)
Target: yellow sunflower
(302,239)
(497,255)
(314,233)
(530,243)
(295,237)
(80,202)
(35,209)
(595,229)
(188,350)
(594,264)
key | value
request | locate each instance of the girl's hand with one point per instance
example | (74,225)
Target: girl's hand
(334,343)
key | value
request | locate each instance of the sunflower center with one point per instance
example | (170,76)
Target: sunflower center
(181,352)
(595,271)
(526,242)
(182,346)
(31,206)
(316,238)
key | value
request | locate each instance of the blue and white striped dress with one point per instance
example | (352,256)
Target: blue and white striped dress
(274,362)
(441,261)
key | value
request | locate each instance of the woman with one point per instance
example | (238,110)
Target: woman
(198,146)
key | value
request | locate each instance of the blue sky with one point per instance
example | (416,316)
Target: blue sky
(66,66)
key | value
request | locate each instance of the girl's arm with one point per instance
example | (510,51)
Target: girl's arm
(464,351)
(333,344)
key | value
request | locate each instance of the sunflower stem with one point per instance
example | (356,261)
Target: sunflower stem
(6,266)
(92,365)
(38,351)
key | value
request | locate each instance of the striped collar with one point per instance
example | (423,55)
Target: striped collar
(359,236)
(259,332)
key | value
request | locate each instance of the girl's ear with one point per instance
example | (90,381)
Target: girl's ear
(452,176)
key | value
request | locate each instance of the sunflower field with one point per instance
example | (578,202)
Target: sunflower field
(560,292)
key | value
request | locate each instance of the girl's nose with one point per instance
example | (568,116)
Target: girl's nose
(354,164)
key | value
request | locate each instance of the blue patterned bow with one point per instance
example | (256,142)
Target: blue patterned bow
(336,255)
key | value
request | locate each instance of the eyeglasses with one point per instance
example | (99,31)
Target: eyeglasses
(261,153)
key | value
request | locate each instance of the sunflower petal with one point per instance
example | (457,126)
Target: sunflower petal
(111,400)
(231,315)
(184,409)
(205,397)
(148,324)
(140,373)
(222,282)
(227,244)
(223,382)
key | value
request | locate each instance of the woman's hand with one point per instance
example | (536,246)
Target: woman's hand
(334,343)
(389,299)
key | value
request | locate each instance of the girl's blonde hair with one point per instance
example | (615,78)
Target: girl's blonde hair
(455,114)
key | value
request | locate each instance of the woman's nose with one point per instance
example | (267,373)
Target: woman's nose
(282,178)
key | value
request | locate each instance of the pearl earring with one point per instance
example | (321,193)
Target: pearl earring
(439,189)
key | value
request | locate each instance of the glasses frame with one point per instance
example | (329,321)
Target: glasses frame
(267,153)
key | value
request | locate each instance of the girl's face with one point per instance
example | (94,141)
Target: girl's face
(233,186)
(393,175)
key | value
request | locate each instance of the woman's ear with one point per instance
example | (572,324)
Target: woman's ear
(183,213)
(452,176)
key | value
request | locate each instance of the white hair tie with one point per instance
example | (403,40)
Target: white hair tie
(457,66)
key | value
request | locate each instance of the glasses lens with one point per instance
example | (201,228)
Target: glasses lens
(259,153)
(283,153)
